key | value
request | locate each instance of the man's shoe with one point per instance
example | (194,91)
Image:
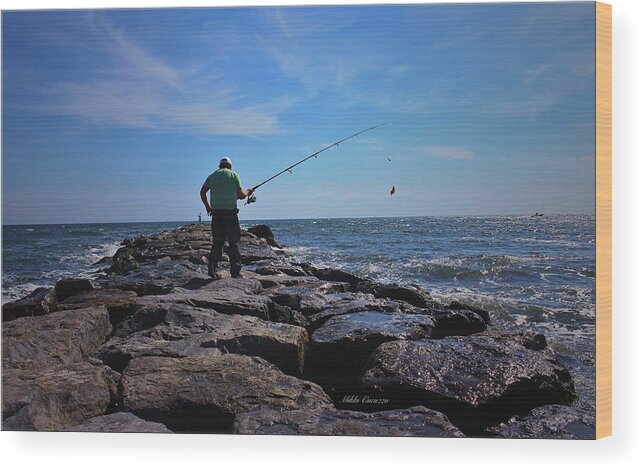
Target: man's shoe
(212,270)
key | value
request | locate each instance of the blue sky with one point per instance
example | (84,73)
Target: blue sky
(119,115)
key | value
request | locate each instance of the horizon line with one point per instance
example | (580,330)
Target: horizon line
(192,221)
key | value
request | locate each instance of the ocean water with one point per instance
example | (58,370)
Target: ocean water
(530,272)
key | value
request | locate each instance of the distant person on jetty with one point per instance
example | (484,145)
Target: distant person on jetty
(225,189)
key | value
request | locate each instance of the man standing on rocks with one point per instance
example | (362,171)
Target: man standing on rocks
(225,189)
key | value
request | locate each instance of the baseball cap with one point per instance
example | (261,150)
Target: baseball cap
(225,160)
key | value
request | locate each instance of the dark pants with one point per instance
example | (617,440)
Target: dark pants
(225,226)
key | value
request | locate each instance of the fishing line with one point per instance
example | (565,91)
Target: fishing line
(252,198)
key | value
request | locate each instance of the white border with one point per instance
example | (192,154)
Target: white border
(116,452)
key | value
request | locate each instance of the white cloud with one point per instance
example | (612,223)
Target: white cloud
(135,89)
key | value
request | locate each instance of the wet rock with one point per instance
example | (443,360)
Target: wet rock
(204,393)
(307,298)
(119,304)
(39,302)
(552,421)
(457,322)
(457,305)
(119,422)
(70,286)
(348,303)
(416,421)
(253,252)
(264,232)
(410,294)
(477,380)
(528,339)
(55,398)
(123,264)
(333,274)
(58,338)
(197,332)
(341,347)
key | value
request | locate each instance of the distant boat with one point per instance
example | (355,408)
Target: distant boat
(537,215)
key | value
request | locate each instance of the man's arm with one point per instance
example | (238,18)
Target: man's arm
(204,198)
(244,194)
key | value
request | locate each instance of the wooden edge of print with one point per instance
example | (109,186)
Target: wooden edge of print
(603,220)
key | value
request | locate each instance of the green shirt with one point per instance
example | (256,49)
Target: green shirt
(223,185)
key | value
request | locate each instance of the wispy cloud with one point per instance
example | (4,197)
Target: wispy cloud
(135,89)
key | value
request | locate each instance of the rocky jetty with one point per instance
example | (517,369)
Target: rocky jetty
(153,344)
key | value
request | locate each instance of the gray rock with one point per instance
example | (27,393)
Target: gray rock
(449,323)
(334,274)
(341,347)
(119,422)
(190,331)
(226,300)
(410,294)
(70,286)
(39,302)
(264,232)
(204,393)
(119,304)
(457,305)
(477,380)
(58,338)
(156,278)
(347,303)
(272,281)
(278,267)
(416,421)
(55,398)
(307,298)
(552,421)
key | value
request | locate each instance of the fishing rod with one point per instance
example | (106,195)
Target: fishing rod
(252,198)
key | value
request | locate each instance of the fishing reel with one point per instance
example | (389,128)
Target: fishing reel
(251,199)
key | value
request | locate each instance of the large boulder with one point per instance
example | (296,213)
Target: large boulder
(225,300)
(477,380)
(58,338)
(39,302)
(334,274)
(119,422)
(254,249)
(55,398)
(411,294)
(264,232)
(347,303)
(341,347)
(416,421)
(190,331)
(449,323)
(204,393)
(155,278)
(552,421)
(119,304)
(70,286)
